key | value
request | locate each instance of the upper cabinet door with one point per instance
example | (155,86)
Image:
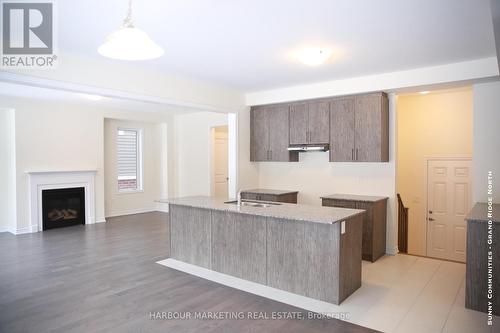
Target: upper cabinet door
(342,130)
(259,134)
(319,122)
(298,124)
(372,121)
(279,134)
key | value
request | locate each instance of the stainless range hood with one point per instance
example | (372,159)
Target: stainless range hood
(309,147)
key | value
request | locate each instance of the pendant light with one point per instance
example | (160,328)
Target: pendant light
(130,43)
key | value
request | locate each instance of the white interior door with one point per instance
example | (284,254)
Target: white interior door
(448,202)
(220,176)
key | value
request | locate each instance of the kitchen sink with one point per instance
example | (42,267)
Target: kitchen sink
(253,203)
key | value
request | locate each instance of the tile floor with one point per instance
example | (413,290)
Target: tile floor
(399,293)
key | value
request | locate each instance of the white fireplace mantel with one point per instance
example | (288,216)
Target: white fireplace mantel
(40,180)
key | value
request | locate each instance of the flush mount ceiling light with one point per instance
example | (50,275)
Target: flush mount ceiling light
(130,43)
(314,56)
(424,92)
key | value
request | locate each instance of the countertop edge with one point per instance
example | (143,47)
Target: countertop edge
(478,213)
(360,212)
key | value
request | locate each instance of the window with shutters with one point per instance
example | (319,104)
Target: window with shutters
(129,159)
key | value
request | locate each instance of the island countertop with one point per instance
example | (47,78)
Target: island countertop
(300,212)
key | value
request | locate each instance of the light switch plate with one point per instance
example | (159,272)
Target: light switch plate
(342,227)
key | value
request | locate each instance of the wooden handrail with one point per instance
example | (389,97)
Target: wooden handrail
(402,226)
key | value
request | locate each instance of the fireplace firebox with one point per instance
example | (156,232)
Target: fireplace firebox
(63,207)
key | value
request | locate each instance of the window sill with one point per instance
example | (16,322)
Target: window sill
(129,192)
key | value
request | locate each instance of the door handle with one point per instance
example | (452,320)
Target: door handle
(431,219)
(430,212)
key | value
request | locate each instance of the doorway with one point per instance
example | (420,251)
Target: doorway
(220,161)
(434,149)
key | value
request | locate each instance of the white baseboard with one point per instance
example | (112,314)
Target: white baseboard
(24,230)
(100,220)
(162,207)
(392,250)
(130,212)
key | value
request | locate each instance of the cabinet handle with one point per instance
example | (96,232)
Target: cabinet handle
(352,154)
(356,154)
(271,154)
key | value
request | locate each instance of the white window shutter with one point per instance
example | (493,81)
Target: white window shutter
(127,146)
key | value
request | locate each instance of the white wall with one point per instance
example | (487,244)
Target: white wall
(486,156)
(314,176)
(154,184)
(434,125)
(56,137)
(248,172)
(62,136)
(7,170)
(193,151)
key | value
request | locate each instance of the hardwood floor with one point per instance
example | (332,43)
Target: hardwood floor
(104,278)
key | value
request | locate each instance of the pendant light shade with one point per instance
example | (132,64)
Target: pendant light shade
(130,43)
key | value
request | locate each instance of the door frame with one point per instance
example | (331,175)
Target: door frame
(427,159)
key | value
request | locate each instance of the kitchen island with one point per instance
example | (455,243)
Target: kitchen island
(483,247)
(307,250)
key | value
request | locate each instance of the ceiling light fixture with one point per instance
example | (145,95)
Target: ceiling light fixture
(424,92)
(314,56)
(130,43)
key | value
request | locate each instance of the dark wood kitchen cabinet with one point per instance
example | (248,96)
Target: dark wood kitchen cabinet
(342,130)
(359,128)
(356,128)
(269,134)
(374,220)
(309,122)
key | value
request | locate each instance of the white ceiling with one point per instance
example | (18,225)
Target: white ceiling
(247,44)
